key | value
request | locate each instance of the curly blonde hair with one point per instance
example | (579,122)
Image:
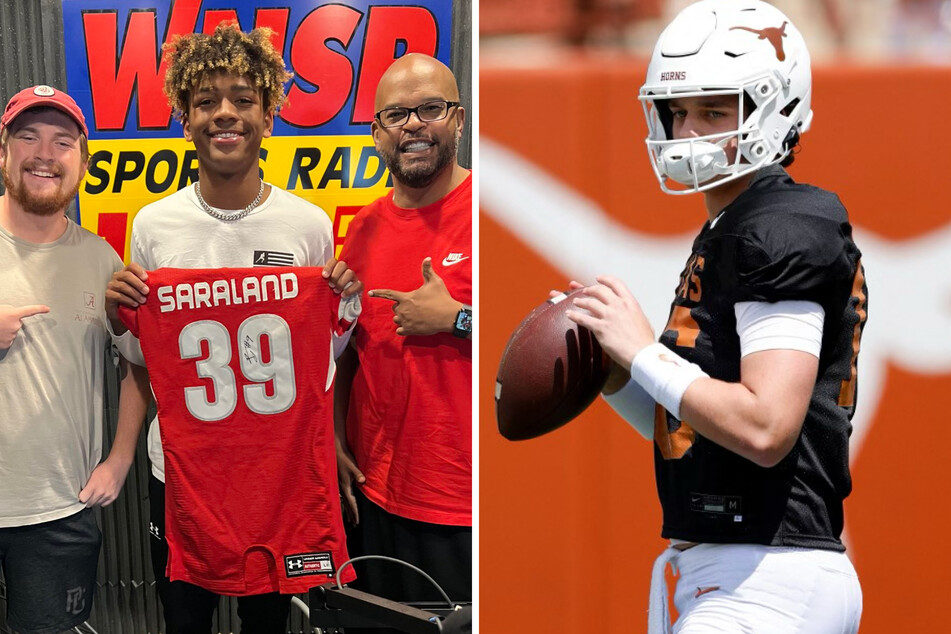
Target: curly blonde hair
(230,50)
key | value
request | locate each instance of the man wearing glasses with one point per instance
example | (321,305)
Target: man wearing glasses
(404,389)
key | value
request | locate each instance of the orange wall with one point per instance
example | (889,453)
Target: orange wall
(570,523)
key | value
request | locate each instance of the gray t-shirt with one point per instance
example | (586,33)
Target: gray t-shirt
(51,378)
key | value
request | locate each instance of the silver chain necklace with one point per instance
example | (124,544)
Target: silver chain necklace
(214,213)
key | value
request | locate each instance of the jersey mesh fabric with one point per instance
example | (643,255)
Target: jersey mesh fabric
(175,232)
(252,503)
(409,424)
(777,241)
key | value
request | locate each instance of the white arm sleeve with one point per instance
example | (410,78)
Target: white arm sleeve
(635,405)
(127,345)
(786,325)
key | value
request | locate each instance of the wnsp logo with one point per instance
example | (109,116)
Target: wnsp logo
(337,50)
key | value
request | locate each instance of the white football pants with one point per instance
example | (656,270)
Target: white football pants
(748,588)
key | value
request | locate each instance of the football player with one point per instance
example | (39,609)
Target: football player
(226,88)
(749,391)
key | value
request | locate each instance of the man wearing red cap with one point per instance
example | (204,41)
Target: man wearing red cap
(53,340)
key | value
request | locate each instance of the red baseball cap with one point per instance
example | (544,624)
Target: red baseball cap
(42,96)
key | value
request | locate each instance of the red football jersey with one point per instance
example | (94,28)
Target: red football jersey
(239,361)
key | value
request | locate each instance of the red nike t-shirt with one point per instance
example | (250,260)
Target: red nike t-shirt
(409,423)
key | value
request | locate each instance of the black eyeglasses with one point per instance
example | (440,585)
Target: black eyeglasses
(426,112)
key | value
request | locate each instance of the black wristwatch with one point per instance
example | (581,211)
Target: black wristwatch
(463,326)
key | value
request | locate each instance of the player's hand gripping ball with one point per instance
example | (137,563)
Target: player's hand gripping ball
(551,370)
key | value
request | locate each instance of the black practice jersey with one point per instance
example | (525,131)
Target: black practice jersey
(778,240)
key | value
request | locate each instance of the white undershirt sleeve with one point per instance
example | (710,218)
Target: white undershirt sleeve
(127,345)
(785,325)
(635,405)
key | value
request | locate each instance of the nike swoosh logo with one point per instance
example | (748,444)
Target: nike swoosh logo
(446,262)
(703,591)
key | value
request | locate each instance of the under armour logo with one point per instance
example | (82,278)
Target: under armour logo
(773,34)
(75,600)
(295,564)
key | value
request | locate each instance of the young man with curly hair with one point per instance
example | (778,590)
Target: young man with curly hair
(226,88)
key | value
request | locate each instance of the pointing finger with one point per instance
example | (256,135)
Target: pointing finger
(32,309)
(385,293)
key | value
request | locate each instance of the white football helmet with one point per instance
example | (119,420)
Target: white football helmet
(746,48)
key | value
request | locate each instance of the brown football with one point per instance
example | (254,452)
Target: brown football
(551,370)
